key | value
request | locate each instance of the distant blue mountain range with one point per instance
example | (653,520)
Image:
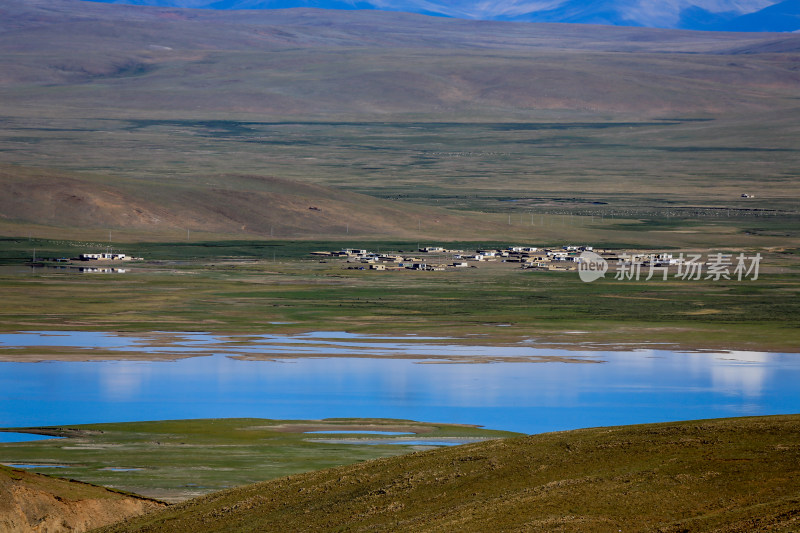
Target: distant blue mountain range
(783,16)
(714,15)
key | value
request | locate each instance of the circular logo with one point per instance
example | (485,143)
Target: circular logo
(591,266)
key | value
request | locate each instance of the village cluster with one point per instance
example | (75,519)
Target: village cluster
(440,258)
(625,264)
(590,263)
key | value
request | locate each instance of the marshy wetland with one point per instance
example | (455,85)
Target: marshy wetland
(174,460)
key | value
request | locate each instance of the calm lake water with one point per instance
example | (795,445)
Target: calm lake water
(21,437)
(531,397)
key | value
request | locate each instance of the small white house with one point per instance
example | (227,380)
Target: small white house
(104,256)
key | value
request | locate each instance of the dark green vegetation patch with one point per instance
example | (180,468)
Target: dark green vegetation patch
(176,459)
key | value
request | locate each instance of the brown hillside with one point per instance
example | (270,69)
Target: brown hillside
(304,62)
(35,503)
(244,205)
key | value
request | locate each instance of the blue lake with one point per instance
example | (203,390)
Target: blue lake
(610,388)
(10,436)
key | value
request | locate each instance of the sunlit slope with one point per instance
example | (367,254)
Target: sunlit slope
(721,475)
(33,502)
(228,204)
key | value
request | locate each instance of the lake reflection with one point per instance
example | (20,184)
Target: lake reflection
(629,387)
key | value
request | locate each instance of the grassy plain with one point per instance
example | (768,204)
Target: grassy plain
(668,172)
(174,460)
(268,286)
(733,475)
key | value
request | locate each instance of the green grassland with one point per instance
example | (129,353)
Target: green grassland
(174,460)
(271,286)
(733,475)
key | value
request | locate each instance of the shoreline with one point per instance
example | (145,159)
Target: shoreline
(276,347)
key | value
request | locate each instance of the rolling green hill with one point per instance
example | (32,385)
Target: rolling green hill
(732,475)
